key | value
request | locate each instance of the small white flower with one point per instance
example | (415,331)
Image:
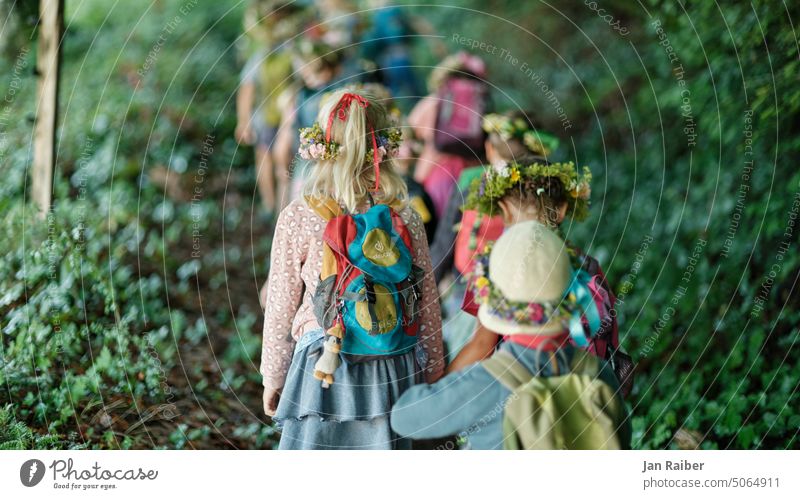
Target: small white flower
(502,169)
(584,190)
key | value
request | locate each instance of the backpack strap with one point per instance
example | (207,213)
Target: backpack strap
(584,363)
(505,368)
(580,291)
(326,208)
(369,292)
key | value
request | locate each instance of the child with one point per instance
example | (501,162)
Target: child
(437,169)
(388,42)
(353,412)
(535,192)
(459,238)
(319,67)
(524,296)
(547,193)
(520,142)
(265,76)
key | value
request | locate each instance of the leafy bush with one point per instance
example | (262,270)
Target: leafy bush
(16,435)
(103,342)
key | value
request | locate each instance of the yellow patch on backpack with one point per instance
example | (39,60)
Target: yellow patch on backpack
(379,249)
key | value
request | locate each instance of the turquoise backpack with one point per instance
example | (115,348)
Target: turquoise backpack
(368,295)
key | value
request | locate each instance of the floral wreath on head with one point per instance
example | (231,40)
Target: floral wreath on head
(313,145)
(316,144)
(523,313)
(538,142)
(493,185)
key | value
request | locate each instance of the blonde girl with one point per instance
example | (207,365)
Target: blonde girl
(354,411)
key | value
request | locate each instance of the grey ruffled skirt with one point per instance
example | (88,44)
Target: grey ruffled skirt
(353,413)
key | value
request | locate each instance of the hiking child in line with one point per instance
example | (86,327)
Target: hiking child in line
(537,391)
(448,121)
(547,193)
(460,236)
(353,317)
(267,73)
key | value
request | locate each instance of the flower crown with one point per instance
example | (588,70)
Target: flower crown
(313,145)
(493,185)
(537,142)
(523,313)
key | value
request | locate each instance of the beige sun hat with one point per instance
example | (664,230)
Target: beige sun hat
(528,264)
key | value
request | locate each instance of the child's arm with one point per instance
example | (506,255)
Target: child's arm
(289,246)
(430,336)
(479,347)
(452,405)
(422,121)
(244,108)
(285,139)
(245,100)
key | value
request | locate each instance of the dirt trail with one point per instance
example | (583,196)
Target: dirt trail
(215,414)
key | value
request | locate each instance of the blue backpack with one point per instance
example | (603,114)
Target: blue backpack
(368,295)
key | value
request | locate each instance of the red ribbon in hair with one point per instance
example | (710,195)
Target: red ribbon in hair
(340,111)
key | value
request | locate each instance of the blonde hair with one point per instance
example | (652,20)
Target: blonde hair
(460,64)
(350,177)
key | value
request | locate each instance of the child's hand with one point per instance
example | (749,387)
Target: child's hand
(244,133)
(271,398)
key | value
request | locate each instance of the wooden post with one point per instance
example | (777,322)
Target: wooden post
(47,68)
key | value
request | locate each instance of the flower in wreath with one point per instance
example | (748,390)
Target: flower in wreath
(313,145)
(535,312)
(482,287)
(520,315)
(584,190)
(502,168)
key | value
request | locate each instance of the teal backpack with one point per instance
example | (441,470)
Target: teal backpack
(368,295)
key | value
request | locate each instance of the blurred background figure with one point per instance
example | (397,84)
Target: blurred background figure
(448,121)
(339,22)
(418,198)
(388,42)
(269,25)
(318,68)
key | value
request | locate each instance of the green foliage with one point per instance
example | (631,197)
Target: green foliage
(16,435)
(99,322)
